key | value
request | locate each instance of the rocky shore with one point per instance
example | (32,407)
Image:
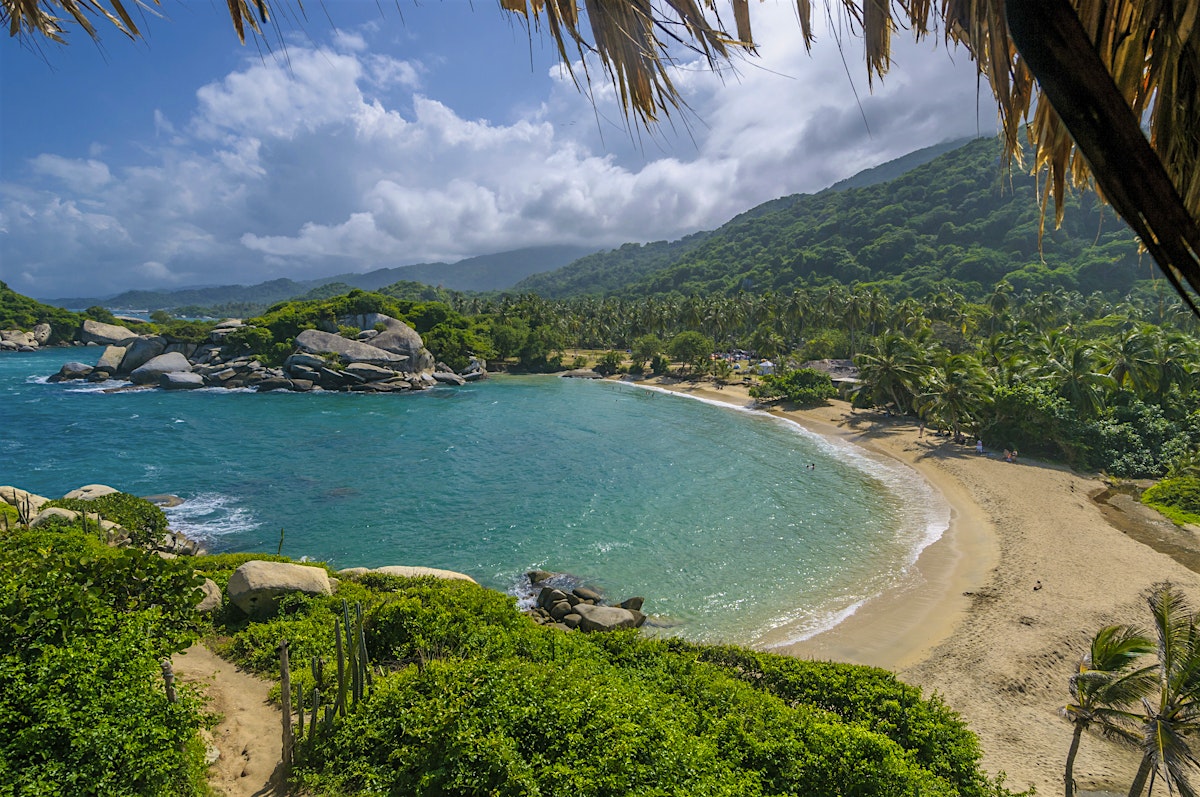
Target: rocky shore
(387,356)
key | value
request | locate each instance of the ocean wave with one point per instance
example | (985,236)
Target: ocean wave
(807,624)
(210,515)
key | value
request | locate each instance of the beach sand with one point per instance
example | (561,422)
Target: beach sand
(969,624)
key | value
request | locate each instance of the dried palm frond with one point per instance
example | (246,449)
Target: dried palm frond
(46,17)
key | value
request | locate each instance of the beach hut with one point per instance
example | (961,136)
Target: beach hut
(766,367)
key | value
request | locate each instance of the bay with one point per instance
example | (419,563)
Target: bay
(712,515)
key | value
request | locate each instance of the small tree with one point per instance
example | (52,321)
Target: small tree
(691,348)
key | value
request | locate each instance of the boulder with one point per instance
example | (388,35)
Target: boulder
(607,618)
(354,572)
(50,513)
(72,370)
(90,492)
(41,333)
(14,496)
(632,604)
(212,597)
(314,341)
(415,572)
(397,337)
(104,334)
(141,351)
(302,360)
(8,345)
(17,336)
(110,359)
(585,594)
(368,372)
(180,380)
(149,373)
(448,378)
(230,323)
(257,586)
(273,383)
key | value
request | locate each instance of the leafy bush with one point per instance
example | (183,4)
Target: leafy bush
(804,386)
(144,521)
(82,630)
(479,700)
(1177,498)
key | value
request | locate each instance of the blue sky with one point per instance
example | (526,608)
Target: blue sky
(365,138)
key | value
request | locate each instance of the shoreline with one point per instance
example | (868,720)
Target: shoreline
(899,626)
(995,615)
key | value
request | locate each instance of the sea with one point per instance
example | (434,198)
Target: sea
(734,525)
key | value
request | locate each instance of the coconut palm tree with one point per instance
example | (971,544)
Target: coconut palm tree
(1172,717)
(957,389)
(893,370)
(1106,683)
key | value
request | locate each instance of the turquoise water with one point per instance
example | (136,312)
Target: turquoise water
(710,514)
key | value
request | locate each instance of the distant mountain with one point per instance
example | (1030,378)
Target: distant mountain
(264,293)
(960,221)
(483,273)
(494,272)
(610,272)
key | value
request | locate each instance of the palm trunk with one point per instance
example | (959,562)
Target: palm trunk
(1069,775)
(1139,780)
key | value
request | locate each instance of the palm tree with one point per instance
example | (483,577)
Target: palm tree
(1171,721)
(1105,683)
(893,370)
(956,392)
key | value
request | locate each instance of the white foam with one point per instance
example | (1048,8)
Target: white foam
(209,515)
(924,514)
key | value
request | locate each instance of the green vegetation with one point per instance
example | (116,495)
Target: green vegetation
(21,312)
(1144,692)
(1178,498)
(144,521)
(805,387)
(479,700)
(959,223)
(82,705)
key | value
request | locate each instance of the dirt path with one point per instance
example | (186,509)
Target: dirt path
(249,735)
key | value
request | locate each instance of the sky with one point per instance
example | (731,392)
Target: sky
(377,135)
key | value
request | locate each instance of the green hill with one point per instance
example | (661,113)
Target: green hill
(960,221)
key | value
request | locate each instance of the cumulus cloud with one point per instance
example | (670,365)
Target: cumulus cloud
(340,159)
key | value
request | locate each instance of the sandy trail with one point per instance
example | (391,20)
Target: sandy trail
(249,736)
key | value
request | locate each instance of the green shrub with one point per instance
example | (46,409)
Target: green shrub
(804,386)
(1177,498)
(479,700)
(83,628)
(144,521)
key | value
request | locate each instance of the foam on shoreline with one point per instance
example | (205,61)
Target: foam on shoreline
(924,519)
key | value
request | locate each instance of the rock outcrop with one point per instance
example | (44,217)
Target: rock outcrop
(387,357)
(170,363)
(105,334)
(582,608)
(257,586)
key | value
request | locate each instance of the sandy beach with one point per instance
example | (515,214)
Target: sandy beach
(998,612)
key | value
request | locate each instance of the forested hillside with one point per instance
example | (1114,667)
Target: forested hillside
(961,222)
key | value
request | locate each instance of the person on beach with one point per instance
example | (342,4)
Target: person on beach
(979,446)
(1007,455)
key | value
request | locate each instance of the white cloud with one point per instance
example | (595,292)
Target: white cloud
(339,159)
